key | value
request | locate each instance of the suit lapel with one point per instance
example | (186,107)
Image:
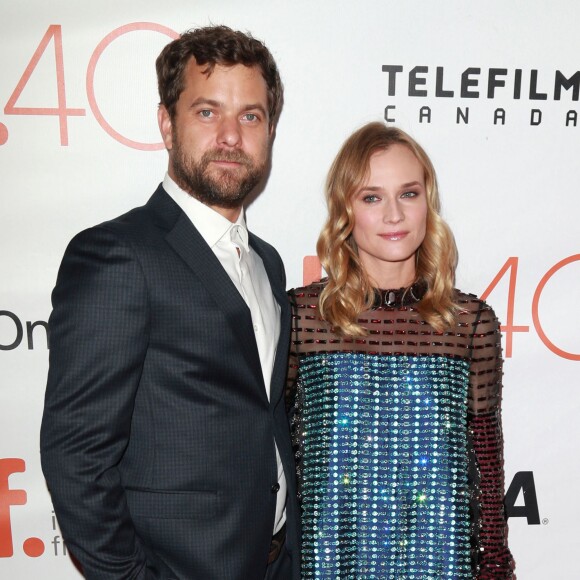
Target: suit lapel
(281,362)
(189,244)
(184,238)
(276,283)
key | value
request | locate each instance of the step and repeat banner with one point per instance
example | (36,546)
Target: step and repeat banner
(490,89)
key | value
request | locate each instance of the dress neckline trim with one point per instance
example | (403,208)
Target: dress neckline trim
(399,297)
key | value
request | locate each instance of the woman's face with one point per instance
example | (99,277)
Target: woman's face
(390,216)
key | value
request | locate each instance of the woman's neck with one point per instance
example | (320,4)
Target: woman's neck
(389,275)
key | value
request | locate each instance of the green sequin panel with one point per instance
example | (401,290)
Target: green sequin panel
(385,491)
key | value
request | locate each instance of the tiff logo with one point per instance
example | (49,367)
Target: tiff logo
(33,547)
(8,497)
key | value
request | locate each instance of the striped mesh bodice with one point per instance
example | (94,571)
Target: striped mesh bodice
(386,447)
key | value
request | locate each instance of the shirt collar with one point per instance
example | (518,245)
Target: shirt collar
(209,223)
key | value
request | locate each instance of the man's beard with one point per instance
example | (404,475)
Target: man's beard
(226,189)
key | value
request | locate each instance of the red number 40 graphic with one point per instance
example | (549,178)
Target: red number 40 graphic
(54,33)
(312,271)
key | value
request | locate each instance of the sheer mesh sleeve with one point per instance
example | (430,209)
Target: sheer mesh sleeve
(294,393)
(484,423)
(290,391)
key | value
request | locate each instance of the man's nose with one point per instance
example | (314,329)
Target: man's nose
(229,132)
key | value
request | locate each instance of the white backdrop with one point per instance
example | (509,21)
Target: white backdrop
(508,175)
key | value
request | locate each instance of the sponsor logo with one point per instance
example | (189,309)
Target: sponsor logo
(13,331)
(523,482)
(502,85)
(11,497)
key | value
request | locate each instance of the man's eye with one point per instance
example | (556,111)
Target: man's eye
(251,117)
(206,113)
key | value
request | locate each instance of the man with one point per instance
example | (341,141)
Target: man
(164,439)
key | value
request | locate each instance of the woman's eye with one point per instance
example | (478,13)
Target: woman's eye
(371,198)
(410,194)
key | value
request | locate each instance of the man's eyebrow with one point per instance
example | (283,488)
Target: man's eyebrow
(204,101)
(256,107)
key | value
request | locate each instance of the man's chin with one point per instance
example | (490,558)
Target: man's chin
(228,175)
(227,190)
(227,195)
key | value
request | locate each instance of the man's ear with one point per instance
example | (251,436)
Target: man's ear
(164,121)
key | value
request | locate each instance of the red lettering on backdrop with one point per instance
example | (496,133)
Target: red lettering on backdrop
(33,547)
(3,134)
(9,497)
(91,80)
(53,31)
(311,270)
(536,302)
(509,328)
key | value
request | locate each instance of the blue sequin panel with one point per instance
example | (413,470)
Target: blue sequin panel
(385,490)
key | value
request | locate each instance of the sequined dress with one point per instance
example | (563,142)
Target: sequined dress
(399,443)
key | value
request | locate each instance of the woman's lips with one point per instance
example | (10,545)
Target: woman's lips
(394,236)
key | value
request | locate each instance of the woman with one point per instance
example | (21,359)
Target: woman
(395,383)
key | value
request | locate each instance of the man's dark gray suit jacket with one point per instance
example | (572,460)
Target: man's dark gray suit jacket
(157,438)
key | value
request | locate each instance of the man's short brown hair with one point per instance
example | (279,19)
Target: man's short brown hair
(213,45)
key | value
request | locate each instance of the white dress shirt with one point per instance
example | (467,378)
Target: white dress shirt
(216,230)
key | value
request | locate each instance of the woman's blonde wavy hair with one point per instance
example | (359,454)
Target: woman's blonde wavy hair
(349,291)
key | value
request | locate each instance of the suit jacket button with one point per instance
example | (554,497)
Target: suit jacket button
(276,488)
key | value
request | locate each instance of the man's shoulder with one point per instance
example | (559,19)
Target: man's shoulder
(159,210)
(138,227)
